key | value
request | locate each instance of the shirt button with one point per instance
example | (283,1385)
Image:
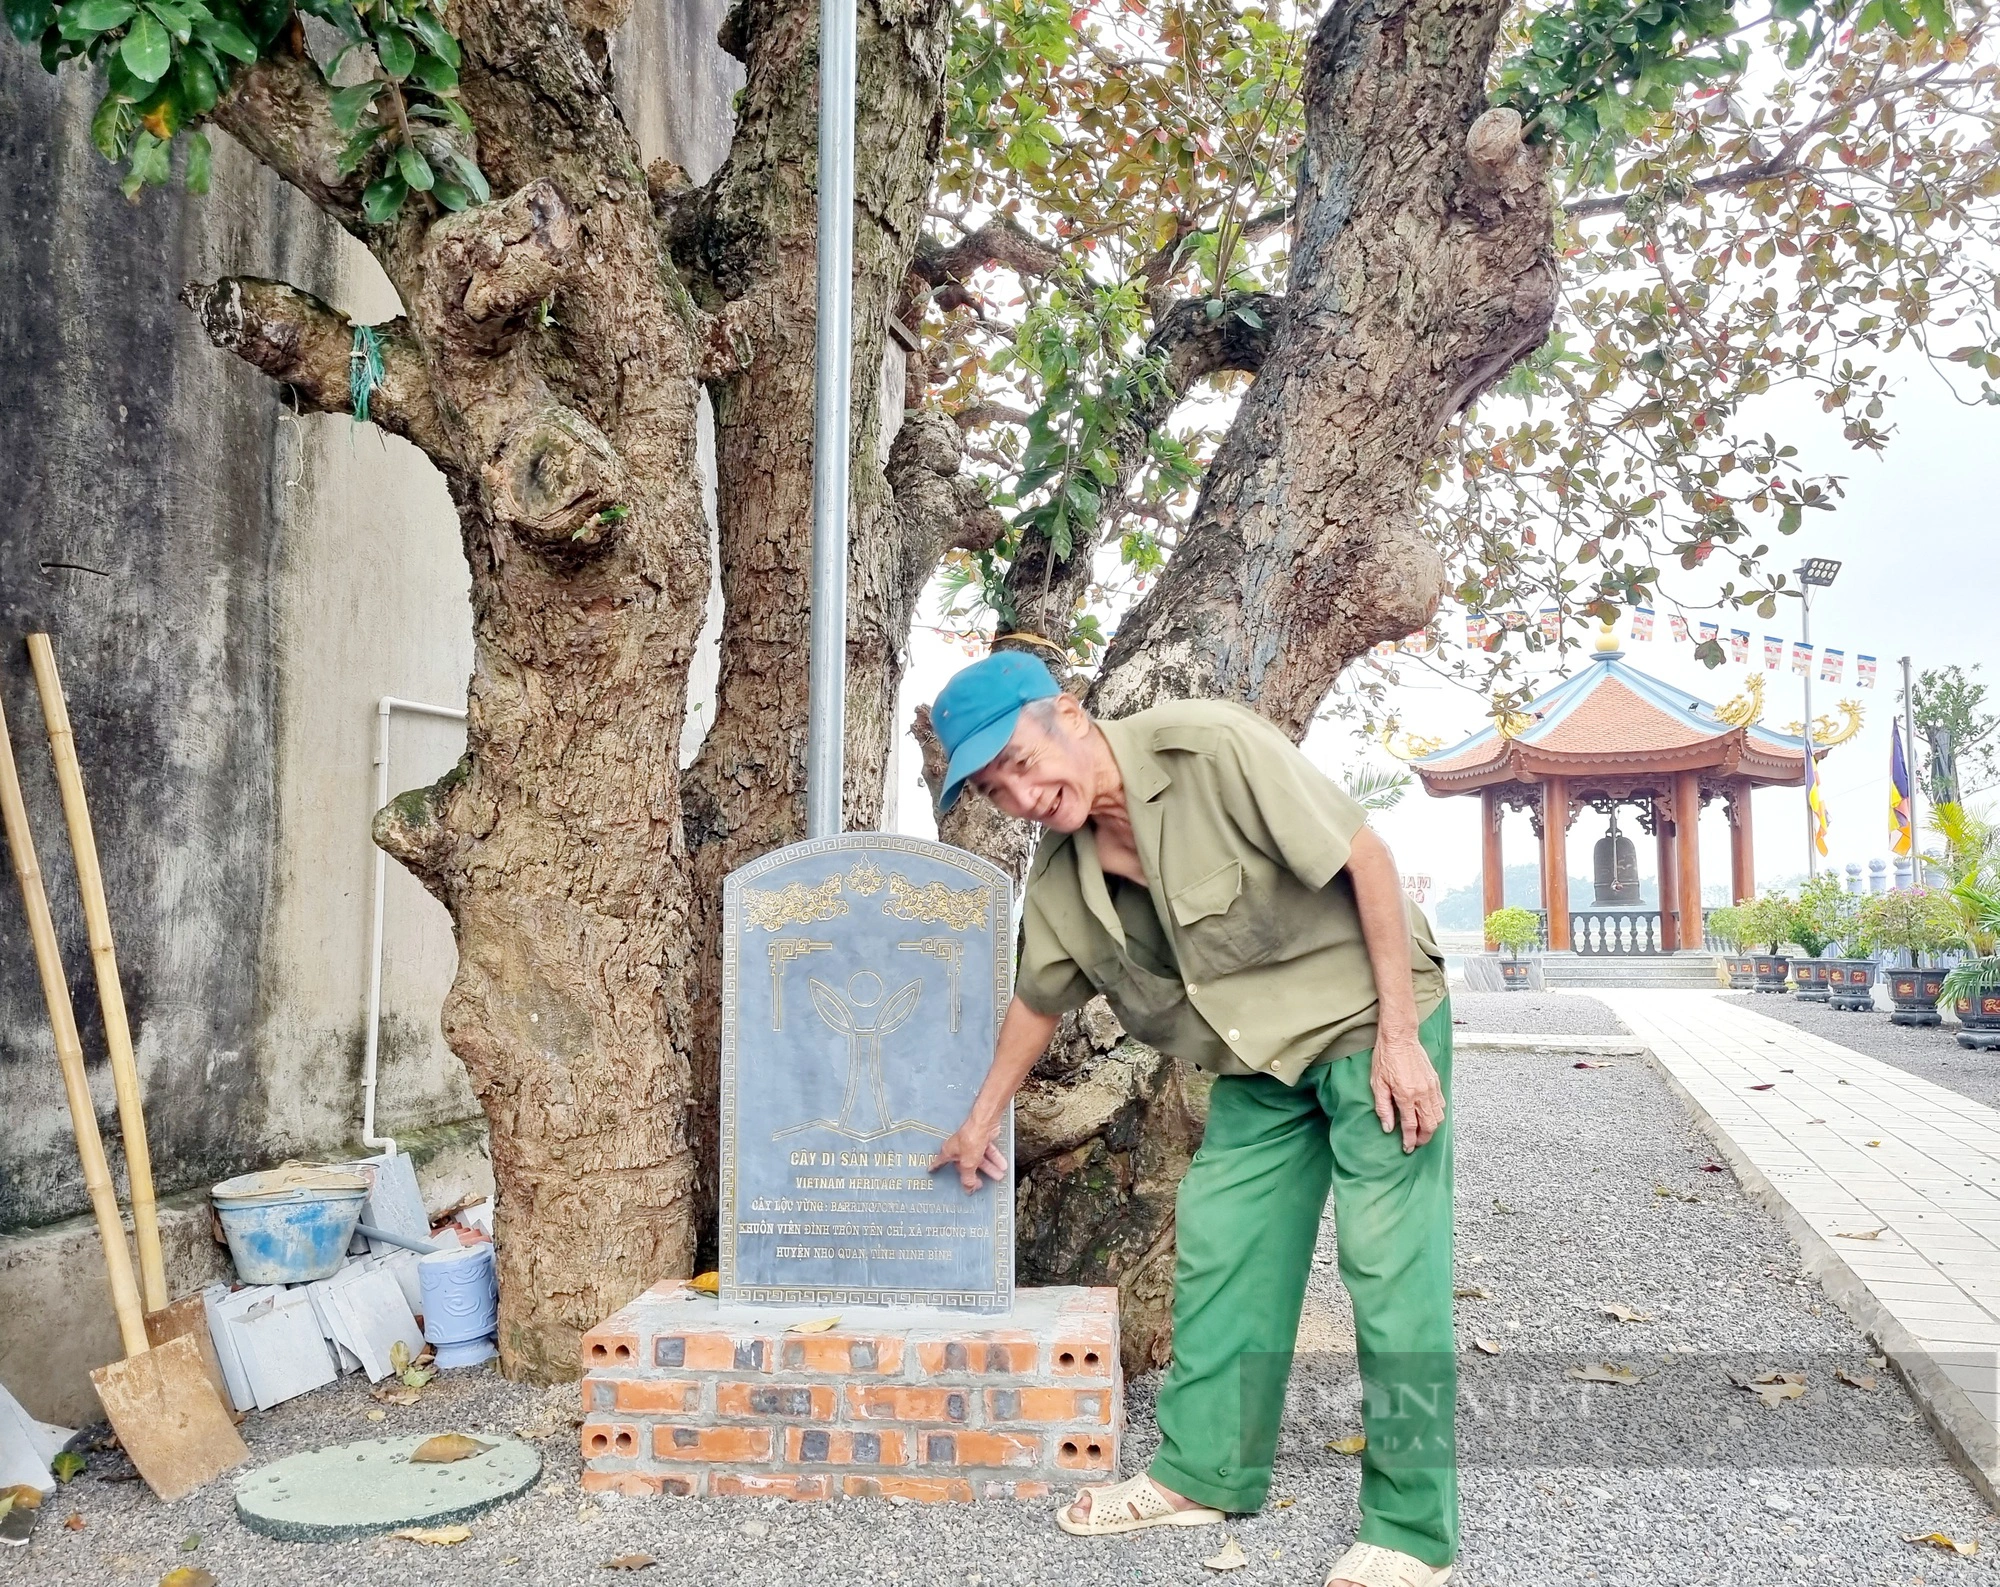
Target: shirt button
(1234,1033)
(1192,989)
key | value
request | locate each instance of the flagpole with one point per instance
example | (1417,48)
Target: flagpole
(1910,772)
(1812,818)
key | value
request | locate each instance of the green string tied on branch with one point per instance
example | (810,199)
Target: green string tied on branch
(364,370)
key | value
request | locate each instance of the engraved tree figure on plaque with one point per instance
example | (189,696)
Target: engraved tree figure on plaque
(854,1015)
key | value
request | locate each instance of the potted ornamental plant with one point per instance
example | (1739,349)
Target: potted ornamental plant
(1767,921)
(1912,923)
(1516,930)
(1817,921)
(1972,987)
(1725,925)
(1850,974)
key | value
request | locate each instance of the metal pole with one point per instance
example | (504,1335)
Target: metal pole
(1805,638)
(833,378)
(1910,771)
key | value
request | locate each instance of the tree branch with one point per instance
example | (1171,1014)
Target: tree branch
(1001,241)
(278,110)
(299,341)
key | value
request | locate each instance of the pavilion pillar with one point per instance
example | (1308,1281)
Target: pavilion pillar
(1492,871)
(1687,844)
(1555,860)
(1742,853)
(1666,864)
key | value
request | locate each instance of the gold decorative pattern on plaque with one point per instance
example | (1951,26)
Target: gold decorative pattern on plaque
(865,877)
(949,949)
(936,904)
(796,905)
(782,951)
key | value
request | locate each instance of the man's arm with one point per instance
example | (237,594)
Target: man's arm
(1024,1037)
(1404,1079)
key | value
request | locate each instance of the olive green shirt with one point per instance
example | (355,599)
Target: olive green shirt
(1243,952)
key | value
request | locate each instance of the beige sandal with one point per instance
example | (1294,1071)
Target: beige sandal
(1129,1505)
(1374,1566)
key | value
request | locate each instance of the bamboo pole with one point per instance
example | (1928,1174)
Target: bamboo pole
(104,961)
(69,1054)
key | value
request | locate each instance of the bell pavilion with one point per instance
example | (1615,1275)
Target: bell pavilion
(1604,739)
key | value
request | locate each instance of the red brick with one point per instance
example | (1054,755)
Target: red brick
(825,1446)
(1011,1354)
(611,1344)
(611,1438)
(1085,1451)
(652,1396)
(787,1401)
(841,1353)
(713,1445)
(895,1403)
(1084,1353)
(692,1350)
(751,1485)
(925,1490)
(1048,1405)
(640,1484)
(977,1449)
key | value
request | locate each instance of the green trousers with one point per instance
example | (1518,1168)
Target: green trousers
(1248,1218)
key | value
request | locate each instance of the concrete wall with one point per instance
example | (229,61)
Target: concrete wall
(231,588)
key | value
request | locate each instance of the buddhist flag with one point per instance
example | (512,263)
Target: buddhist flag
(1774,652)
(1549,620)
(1514,621)
(1815,803)
(1477,627)
(1832,665)
(1899,792)
(1739,645)
(1709,631)
(1864,671)
(1679,627)
(1642,622)
(1421,643)
(1802,658)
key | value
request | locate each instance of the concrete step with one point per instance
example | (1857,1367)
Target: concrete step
(1583,971)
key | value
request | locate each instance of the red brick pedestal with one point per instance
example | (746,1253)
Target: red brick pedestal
(683,1397)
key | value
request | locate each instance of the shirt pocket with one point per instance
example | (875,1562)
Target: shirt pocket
(1219,930)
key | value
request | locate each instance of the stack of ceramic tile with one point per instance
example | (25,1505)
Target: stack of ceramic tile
(278,1341)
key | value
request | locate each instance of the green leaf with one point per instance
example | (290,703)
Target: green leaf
(147,51)
(110,127)
(435,73)
(201,163)
(381,199)
(67,1466)
(173,19)
(347,104)
(97,16)
(199,89)
(450,194)
(475,179)
(357,149)
(436,36)
(227,37)
(395,51)
(30,19)
(415,168)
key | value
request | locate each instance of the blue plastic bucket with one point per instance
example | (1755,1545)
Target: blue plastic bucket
(461,1304)
(289,1225)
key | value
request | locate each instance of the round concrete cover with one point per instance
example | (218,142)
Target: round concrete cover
(355,1490)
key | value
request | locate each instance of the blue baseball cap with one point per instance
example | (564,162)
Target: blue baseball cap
(976,711)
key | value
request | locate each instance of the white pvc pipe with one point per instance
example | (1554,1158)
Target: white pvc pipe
(372,1053)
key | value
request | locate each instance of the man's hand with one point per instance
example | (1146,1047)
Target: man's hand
(973,1150)
(1405,1083)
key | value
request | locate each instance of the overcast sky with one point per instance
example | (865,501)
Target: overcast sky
(1920,577)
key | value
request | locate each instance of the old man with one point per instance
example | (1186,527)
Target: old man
(1230,903)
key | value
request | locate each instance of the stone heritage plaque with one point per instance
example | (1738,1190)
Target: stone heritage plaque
(864,979)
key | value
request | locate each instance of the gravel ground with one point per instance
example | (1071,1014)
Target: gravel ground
(1576,1187)
(1931,1052)
(1534,1014)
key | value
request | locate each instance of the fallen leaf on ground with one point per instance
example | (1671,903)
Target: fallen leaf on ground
(1489,1347)
(377,1416)
(417,1377)
(1774,1388)
(1950,1545)
(1713,1167)
(188,1576)
(1603,1372)
(399,1356)
(1501,1207)
(1230,1557)
(67,1465)
(447,1447)
(1878,1362)
(22,1497)
(1469,1292)
(1675,1195)
(394,1394)
(1871,1143)
(441,1536)
(818,1325)
(1283,1504)
(706,1283)
(1766,1086)
(72,1522)
(1589,1063)
(1815,1121)
(191,1542)
(1352,1444)
(1622,1312)
(1854,1380)
(630,1562)
(1861,1234)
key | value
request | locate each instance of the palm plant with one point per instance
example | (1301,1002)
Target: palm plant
(1375,787)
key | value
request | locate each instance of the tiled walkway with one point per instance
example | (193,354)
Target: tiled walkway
(1839,1145)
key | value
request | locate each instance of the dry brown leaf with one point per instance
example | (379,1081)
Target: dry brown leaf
(1229,1557)
(706,1283)
(630,1562)
(72,1522)
(1283,1504)
(399,1356)
(1622,1312)
(446,1448)
(1871,1143)
(1490,1347)
(1470,1292)
(22,1497)
(1774,1388)
(440,1536)
(1352,1444)
(1855,1380)
(377,1416)
(818,1325)
(1586,1063)
(394,1394)
(1941,1540)
(188,1576)
(1603,1372)
(1861,1234)
(1766,1086)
